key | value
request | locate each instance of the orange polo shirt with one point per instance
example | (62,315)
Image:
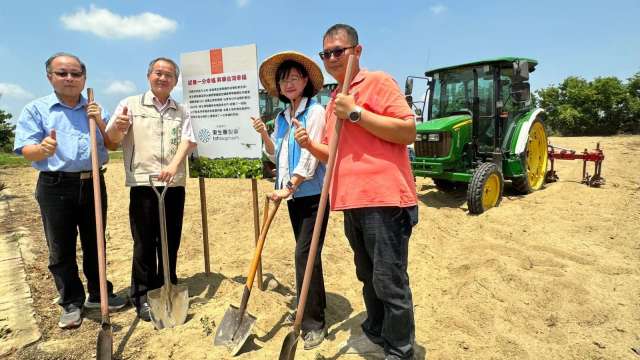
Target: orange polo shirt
(370,171)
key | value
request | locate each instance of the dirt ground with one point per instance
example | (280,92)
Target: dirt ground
(551,275)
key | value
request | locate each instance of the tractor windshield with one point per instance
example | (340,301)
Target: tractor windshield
(452,93)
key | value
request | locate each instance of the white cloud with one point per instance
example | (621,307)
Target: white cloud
(438,9)
(14,91)
(106,24)
(118,87)
(242,3)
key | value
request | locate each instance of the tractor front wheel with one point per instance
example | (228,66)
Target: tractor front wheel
(485,188)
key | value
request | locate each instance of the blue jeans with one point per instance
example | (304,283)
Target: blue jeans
(379,237)
(66,206)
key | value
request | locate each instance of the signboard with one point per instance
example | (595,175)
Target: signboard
(220,88)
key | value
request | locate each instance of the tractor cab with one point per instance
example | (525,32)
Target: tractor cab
(474,115)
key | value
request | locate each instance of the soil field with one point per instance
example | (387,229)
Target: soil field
(551,275)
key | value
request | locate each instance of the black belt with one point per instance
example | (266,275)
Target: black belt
(82,175)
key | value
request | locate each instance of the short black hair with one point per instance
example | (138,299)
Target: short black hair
(284,70)
(352,34)
(47,64)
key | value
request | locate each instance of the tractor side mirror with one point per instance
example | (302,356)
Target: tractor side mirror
(408,90)
(520,71)
(408,87)
(521,92)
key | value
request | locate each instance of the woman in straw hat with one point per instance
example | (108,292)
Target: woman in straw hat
(295,79)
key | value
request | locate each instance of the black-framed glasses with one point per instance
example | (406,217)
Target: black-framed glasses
(326,54)
(64,74)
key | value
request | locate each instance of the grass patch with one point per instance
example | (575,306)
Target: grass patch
(8,160)
(115,155)
(12,160)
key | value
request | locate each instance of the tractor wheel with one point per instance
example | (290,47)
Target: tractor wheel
(445,185)
(485,188)
(535,167)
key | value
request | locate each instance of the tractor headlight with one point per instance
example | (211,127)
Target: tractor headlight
(433,137)
(419,137)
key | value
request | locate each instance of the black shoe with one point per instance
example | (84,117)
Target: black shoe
(144,312)
(115,302)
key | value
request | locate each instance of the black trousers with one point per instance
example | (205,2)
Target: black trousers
(144,218)
(379,237)
(66,206)
(302,213)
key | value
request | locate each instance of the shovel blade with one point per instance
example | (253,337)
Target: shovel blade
(289,345)
(104,348)
(234,330)
(169,306)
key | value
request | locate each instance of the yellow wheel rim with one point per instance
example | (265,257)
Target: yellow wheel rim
(491,191)
(536,155)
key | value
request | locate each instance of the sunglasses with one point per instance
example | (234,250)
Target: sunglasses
(64,74)
(326,54)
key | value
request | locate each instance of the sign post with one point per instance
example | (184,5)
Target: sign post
(220,88)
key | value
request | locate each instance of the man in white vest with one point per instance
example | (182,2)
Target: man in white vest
(156,136)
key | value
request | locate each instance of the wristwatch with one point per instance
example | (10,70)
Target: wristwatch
(290,186)
(355,115)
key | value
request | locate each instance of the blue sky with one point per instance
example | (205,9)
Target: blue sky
(117,39)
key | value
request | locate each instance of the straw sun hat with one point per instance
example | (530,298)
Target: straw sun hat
(269,68)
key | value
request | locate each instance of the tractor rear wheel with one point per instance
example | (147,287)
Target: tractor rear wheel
(535,166)
(485,188)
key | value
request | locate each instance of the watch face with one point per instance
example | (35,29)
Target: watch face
(354,115)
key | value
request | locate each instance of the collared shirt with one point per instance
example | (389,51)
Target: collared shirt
(187,129)
(315,129)
(370,171)
(73,151)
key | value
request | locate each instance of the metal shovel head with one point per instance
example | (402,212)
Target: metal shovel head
(169,305)
(233,330)
(289,345)
(104,348)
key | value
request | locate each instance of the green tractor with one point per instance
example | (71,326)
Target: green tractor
(481,130)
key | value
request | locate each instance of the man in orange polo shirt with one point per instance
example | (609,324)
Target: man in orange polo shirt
(373,185)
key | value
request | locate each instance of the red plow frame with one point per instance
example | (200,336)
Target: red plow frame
(596,155)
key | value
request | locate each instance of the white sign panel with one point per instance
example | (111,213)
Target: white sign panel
(220,87)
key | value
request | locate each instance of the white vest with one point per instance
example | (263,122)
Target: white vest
(152,140)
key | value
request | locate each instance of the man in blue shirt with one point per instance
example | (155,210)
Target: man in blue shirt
(53,132)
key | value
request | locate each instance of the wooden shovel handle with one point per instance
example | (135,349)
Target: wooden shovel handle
(261,239)
(317,227)
(97,202)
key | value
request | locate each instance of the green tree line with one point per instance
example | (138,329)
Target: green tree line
(604,106)
(6,132)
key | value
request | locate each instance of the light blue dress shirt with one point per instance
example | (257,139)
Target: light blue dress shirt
(73,152)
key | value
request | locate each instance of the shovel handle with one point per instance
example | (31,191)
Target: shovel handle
(317,227)
(97,203)
(261,239)
(164,247)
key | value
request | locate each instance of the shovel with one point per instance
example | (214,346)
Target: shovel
(104,346)
(288,350)
(236,324)
(169,303)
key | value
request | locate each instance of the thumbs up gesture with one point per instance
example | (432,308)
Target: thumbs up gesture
(49,144)
(123,121)
(301,135)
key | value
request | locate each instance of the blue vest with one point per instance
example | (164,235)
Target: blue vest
(286,132)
